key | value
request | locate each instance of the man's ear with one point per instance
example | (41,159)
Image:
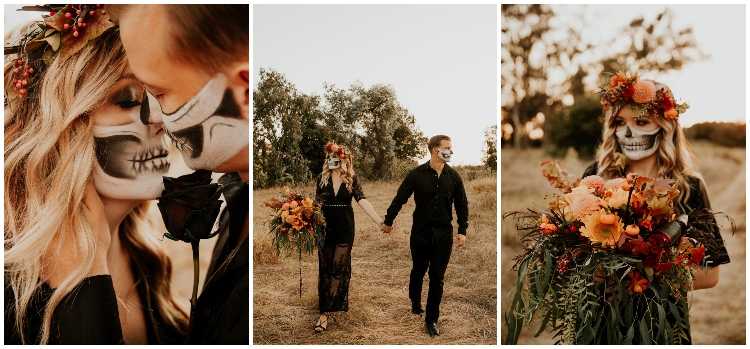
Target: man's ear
(239,82)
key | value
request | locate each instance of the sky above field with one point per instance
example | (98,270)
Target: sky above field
(440,59)
(715,88)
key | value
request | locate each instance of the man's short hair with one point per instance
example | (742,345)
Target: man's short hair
(207,37)
(434,142)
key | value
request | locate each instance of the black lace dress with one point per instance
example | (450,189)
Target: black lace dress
(716,252)
(334,259)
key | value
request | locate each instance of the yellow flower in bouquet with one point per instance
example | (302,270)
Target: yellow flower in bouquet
(619,197)
(602,227)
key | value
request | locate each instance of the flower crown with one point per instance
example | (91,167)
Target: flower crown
(335,148)
(63,32)
(642,96)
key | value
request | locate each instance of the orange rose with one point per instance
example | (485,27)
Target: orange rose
(670,114)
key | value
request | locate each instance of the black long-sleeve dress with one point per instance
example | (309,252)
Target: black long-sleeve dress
(334,259)
(716,252)
(87,315)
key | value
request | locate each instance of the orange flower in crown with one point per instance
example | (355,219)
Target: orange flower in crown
(334,148)
(642,96)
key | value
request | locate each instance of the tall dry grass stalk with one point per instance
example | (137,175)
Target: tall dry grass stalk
(379,307)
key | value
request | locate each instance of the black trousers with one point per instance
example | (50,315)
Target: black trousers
(435,257)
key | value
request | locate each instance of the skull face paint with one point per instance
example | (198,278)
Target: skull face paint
(208,129)
(334,162)
(131,157)
(636,144)
(444,154)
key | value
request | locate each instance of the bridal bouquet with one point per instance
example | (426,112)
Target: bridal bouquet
(606,261)
(297,223)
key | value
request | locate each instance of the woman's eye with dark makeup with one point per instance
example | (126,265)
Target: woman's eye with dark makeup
(642,122)
(129,104)
(619,122)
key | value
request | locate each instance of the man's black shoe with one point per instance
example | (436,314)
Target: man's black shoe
(432,329)
(416,308)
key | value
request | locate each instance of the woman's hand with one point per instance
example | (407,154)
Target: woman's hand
(705,277)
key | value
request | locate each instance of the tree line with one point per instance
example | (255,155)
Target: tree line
(565,113)
(291,128)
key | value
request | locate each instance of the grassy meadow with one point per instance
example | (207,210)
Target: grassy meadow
(717,314)
(379,306)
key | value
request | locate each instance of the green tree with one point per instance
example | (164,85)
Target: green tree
(374,125)
(490,148)
(523,28)
(578,127)
(279,113)
(653,46)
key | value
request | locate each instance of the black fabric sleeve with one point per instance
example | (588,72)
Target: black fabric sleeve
(462,204)
(402,196)
(716,251)
(591,170)
(88,315)
(357,190)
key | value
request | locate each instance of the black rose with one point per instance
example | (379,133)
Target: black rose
(189,206)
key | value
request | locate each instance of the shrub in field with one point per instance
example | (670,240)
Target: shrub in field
(728,134)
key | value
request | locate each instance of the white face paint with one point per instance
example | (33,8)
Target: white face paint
(131,158)
(208,129)
(637,144)
(445,154)
(333,163)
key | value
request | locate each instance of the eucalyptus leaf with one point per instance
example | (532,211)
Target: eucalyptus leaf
(645,338)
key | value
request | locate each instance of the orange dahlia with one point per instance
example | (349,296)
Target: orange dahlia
(644,91)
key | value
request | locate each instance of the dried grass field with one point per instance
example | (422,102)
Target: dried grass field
(379,307)
(717,314)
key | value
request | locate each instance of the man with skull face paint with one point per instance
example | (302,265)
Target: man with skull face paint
(642,135)
(195,67)
(436,187)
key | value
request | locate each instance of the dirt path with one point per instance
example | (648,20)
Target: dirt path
(718,314)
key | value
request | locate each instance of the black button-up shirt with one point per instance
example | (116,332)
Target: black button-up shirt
(433,196)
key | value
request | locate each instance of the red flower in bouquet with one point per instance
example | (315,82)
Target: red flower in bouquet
(637,284)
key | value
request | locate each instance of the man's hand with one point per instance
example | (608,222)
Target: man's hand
(386,228)
(460,240)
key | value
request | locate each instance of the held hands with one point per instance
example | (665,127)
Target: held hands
(385,228)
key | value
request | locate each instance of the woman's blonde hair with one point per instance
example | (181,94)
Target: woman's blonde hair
(347,170)
(675,159)
(49,157)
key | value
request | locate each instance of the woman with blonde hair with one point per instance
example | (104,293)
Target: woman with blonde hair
(80,167)
(335,188)
(642,135)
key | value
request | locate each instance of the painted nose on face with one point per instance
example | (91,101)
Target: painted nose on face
(149,115)
(628,133)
